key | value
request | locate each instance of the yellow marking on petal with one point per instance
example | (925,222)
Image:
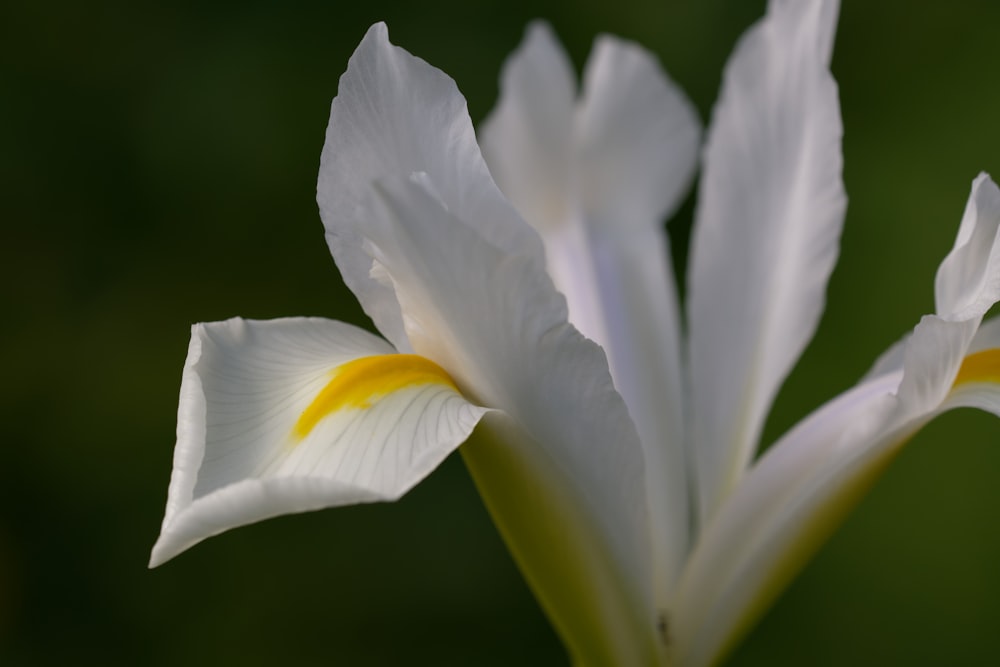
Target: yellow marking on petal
(361,382)
(981,366)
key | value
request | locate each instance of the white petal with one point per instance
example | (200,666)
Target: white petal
(987,336)
(597,190)
(529,143)
(889,361)
(637,139)
(643,347)
(968,280)
(527,138)
(931,360)
(394,115)
(567,487)
(777,516)
(798,493)
(297,414)
(771,206)
(977,384)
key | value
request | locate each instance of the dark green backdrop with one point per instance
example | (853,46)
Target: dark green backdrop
(157,168)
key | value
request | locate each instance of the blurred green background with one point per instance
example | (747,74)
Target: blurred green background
(157,168)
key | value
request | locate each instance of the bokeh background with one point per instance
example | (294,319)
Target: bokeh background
(157,168)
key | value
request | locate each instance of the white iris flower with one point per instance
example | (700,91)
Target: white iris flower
(641,520)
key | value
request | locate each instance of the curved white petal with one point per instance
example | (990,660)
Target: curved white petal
(977,384)
(889,361)
(564,472)
(772,523)
(987,336)
(796,495)
(789,502)
(597,189)
(297,414)
(968,280)
(394,115)
(770,210)
(967,283)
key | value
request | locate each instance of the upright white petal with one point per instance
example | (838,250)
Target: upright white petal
(771,206)
(968,280)
(637,139)
(800,490)
(561,470)
(598,190)
(394,115)
(296,414)
(527,140)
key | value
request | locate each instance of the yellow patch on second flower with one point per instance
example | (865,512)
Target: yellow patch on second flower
(359,383)
(981,366)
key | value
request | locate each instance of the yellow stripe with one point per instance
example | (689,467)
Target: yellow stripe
(361,382)
(980,367)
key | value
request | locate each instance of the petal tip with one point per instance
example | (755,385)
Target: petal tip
(163,550)
(539,29)
(378,30)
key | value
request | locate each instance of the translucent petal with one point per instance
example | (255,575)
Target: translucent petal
(296,414)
